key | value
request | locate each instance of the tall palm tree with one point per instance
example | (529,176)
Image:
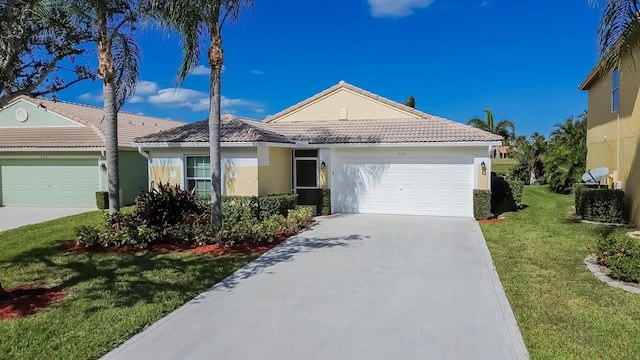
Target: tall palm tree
(566,157)
(201,21)
(505,128)
(618,35)
(112,23)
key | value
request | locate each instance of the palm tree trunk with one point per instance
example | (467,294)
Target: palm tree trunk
(111,134)
(215,61)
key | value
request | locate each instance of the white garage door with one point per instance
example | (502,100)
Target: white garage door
(49,183)
(422,186)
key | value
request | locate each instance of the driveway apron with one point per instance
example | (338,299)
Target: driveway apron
(352,287)
(14,217)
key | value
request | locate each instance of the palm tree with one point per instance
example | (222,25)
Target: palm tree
(112,23)
(618,35)
(505,128)
(202,21)
(566,157)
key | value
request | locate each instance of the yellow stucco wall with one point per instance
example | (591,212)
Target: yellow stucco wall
(324,178)
(358,107)
(241,180)
(602,137)
(276,177)
(163,174)
(483,178)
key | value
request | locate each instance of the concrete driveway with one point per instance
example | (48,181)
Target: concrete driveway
(14,217)
(353,287)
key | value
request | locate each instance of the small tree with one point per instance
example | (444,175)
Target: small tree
(410,102)
(35,41)
(566,157)
(529,153)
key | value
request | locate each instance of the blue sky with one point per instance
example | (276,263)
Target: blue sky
(523,60)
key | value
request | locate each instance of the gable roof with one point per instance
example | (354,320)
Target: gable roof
(344,85)
(90,135)
(375,131)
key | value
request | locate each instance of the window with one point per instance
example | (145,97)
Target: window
(615,90)
(306,173)
(199,175)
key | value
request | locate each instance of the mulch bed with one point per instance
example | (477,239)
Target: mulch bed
(165,248)
(27,300)
(491,221)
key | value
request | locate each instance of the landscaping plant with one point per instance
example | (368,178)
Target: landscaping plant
(621,255)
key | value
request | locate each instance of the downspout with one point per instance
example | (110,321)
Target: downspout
(148,157)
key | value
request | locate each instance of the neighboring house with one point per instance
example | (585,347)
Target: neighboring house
(613,130)
(52,153)
(376,155)
(500,152)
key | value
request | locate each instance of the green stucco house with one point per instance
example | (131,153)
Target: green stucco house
(52,153)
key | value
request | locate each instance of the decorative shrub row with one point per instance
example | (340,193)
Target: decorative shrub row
(482,204)
(621,254)
(601,205)
(124,229)
(102,200)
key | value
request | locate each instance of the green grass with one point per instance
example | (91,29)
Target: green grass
(110,297)
(502,166)
(563,311)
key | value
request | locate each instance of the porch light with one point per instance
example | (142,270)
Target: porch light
(323,165)
(483,166)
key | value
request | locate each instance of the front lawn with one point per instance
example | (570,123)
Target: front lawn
(110,297)
(563,311)
(502,166)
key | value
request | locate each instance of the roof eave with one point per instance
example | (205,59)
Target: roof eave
(593,74)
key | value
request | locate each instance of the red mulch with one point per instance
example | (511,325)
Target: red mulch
(491,221)
(27,300)
(164,248)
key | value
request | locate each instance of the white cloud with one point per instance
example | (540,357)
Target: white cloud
(396,8)
(197,100)
(145,87)
(91,97)
(257,72)
(136,99)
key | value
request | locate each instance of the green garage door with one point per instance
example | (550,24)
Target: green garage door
(49,183)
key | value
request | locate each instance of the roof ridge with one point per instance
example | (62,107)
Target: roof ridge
(32,99)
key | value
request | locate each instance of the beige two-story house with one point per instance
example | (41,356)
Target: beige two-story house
(613,129)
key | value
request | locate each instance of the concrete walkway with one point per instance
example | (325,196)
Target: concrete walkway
(354,287)
(14,217)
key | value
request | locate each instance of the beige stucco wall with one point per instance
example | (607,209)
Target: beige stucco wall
(241,180)
(483,178)
(275,178)
(358,107)
(165,174)
(603,141)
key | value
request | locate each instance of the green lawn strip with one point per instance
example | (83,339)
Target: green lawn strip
(563,311)
(502,166)
(110,297)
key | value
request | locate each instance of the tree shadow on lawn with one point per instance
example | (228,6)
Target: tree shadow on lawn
(117,280)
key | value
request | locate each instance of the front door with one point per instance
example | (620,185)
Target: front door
(305,176)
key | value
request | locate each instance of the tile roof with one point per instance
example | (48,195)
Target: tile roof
(130,126)
(232,129)
(235,129)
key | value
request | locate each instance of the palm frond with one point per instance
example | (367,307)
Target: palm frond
(490,120)
(618,33)
(126,57)
(478,123)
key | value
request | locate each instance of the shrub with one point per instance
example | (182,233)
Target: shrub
(516,187)
(167,205)
(325,202)
(118,230)
(102,200)
(621,254)
(601,205)
(482,204)
(577,191)
(276,204)
(237,209)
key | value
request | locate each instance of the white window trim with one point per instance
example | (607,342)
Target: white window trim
(186,170)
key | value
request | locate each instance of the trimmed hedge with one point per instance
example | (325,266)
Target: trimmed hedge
(516,187)
(276,204)
(482,204)
(506,194)
(102,200)
(601,205)
(621,254)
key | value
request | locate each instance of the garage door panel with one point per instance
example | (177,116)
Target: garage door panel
(427,187)
(53,182)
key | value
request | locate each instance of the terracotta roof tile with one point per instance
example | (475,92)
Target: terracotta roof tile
(130,126)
